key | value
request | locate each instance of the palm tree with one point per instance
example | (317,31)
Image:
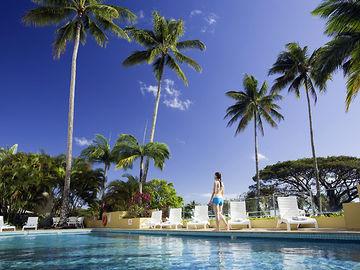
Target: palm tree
(77,18)
(100,152)
(257,105)
(295,67)
(162,48)
(343,20)
(128,149)
(119,193)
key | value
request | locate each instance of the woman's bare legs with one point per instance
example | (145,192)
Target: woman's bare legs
(217,219)
(222,217)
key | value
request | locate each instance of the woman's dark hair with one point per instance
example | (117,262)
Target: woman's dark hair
(218,177)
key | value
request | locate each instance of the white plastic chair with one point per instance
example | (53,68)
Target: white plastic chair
(80,222)
(32,223)
(155,219)
(174,219)
(4,226)
(291,214)
(56,221)
(238,215)
(72,221)
(201,217)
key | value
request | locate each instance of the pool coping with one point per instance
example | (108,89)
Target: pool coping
(318,235)
(45,232)
(346,236)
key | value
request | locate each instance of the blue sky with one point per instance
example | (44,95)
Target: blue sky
(241,37)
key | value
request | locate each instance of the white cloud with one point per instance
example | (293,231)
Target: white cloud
(141,14)
(171,96)
(144,88)
(210,22)
(260,157)
(211,19)
(195,12)
(180,141)
(82,141)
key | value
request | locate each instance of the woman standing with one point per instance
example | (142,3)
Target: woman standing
(217,200)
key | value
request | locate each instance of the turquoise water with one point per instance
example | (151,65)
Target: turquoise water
(117,251)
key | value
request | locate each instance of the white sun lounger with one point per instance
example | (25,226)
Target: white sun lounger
(174,218)
(201,217)
(32,223)
(238,215)
(56,221)
(290,213)
(4,226)
(80,222)
(72,221)
(155,219)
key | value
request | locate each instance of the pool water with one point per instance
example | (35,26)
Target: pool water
(120,251)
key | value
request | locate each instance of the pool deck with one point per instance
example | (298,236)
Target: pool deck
(300,234)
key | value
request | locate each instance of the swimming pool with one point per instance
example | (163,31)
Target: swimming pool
(124,251)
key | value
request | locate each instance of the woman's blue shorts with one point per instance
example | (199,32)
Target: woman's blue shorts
(218,201)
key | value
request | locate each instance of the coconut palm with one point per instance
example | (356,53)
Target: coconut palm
(257,105)
(343,50)
(119,193)
(128,149)
(76,18)
(295,67)
(99,151)
(163,49)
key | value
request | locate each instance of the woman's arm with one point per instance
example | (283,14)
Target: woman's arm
(212,194)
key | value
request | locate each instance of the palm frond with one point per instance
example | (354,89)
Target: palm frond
(52,3)
(63,35)
(43,16)
(342,15)
(136,58)
(185,59)
(353,85)
(112,27)
(125,161)
(170,62)
(158,152)
(160,26)
(125,15)
(143,37)
(99,36)
(106,12)
(251,102)
(191,44)
(158,68)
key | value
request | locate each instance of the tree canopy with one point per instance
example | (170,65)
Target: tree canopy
(339,176)
(33,183)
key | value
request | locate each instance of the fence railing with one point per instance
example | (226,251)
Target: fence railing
(266,206)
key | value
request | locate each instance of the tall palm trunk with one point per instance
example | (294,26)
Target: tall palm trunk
(155,113)
(317,177)
(141,180)
(106,169)
(153,126)
(256,164)
(102,192)
(66,193)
